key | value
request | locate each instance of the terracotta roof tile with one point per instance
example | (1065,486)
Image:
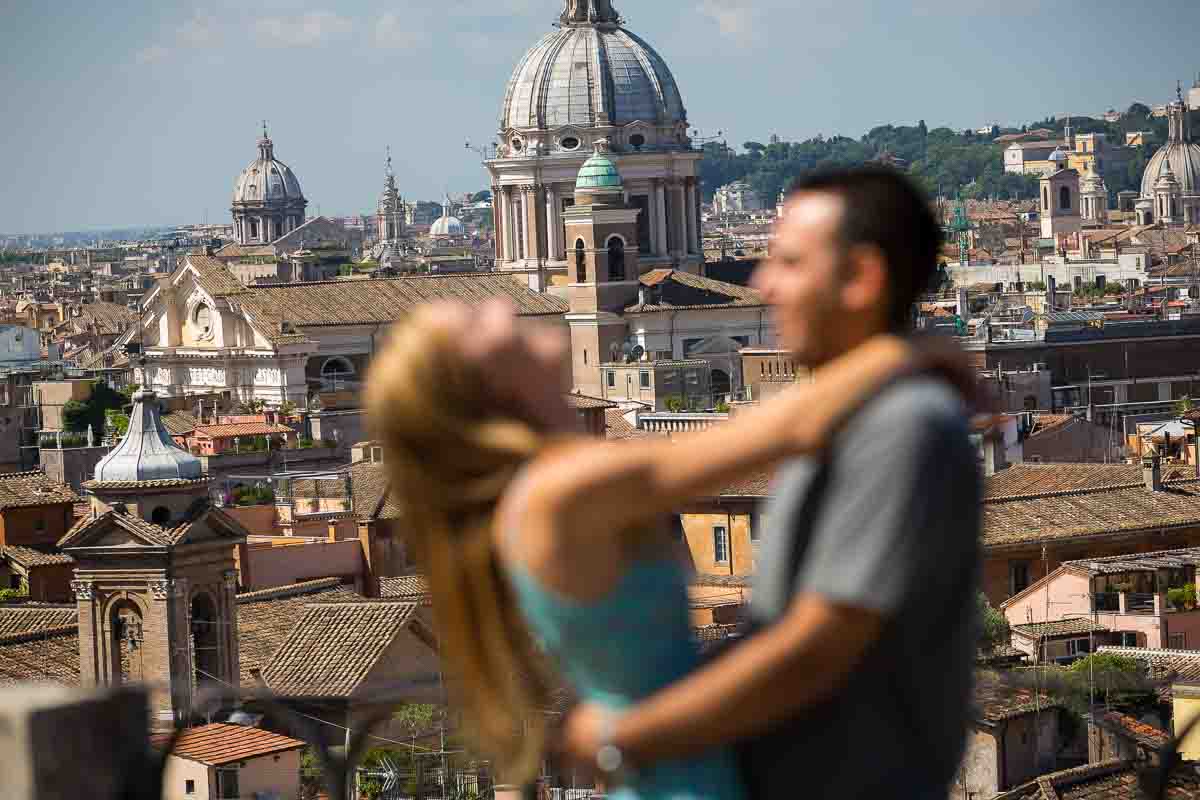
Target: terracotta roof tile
(996,701)
(44,655)
(31,489)
(409,588)
(617,427)
(29,618)
(1086,512)
(221,743)
(214,277)
(241,429)
(179,423)
(267,616)
(373,499)
(333,648)
(1062,627)
(675,290)
(383,301)
(754,484)
(1141,732)
(32,557)
(582,401)
(1179,665)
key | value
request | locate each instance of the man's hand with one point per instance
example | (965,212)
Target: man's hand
(582,731)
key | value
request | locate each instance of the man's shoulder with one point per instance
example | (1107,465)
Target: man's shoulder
(920,405)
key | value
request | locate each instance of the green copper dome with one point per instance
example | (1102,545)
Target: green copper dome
(599,173)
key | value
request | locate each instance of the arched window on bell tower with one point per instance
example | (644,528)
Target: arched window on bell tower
(206,662)
(1064,198)
(125,630)
(580,262)
(616,259)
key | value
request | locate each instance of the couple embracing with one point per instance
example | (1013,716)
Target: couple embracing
(548,561)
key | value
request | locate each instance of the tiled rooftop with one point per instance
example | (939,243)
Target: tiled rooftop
(373,498)
(409,588)
(677,290)
(1144,734)
(31,557)
(179,423)
(152,534)
(996,701)
(1035,503)
(220,743)
(241,429)
(583,401)
(333,648)
(1138,562)
(1063,627)
(47,654)
(1176,665)
(30,489)
(265,618)
(29,618)
(1107,780)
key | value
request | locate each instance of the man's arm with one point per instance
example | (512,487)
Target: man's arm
(796,663)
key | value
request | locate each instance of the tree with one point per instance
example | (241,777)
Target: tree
(78,415)
(252,406)
(1140,110)
(287,408)
(1108,678)
(993,625)
(1183,405)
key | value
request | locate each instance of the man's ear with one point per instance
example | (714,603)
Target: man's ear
(865,283)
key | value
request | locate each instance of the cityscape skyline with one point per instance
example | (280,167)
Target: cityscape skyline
(146,117)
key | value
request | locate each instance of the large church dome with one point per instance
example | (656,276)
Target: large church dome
(591,71)
(267,180)
(1180,153)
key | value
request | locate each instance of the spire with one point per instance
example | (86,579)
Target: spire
(593,12)
(266,150)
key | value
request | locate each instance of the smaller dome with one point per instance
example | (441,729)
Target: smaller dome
(447,226)
(599,173)
(147,453)
(1059,156)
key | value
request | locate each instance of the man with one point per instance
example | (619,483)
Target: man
(857,681)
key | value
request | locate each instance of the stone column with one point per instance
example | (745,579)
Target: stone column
(658,230)
(689,215)
(529,210)
(680,221)
(498,221)
(507,233)
(525,222)
(552,224)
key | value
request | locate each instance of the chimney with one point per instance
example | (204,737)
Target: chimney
(1050,293)
(1152,472)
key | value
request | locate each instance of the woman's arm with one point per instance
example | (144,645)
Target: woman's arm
(588,487)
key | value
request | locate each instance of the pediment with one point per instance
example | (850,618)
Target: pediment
(112,529)
(116,536)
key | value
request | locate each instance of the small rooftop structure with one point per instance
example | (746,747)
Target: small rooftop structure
(147,453)
(220,743)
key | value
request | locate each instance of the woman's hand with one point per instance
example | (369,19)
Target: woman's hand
(582,732)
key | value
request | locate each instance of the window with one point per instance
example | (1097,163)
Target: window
(39,525)
(1079,647)
(14,582)
(644,379)
(570,143)
(1064,198)
(580,262)
(637,140)
(612,379)
(1129,639)
(616,259)
(1018,576)
(1177,641)
(203,318)
(642,203)
(189,787)
(585,361)
(720,544)
(227,784)
(160,516)
(756,525)
(1045,199)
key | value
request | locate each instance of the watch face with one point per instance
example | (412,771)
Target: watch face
(608,758)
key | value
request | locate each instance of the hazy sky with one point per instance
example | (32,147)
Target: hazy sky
(145,112)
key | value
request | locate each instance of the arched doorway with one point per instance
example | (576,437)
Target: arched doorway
(580,263)
(206,661)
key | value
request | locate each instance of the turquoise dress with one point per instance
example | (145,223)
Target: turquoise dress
(623,648)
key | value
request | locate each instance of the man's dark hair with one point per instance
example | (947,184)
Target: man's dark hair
(886,209)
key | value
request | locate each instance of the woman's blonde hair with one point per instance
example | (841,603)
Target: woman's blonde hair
(450,454)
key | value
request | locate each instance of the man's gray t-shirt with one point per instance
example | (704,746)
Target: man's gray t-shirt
(895,531)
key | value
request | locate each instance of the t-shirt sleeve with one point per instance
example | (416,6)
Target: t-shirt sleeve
(885,527)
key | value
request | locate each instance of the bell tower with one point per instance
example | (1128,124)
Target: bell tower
(155,578)
(602,263)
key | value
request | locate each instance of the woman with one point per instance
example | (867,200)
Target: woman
(530,531)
